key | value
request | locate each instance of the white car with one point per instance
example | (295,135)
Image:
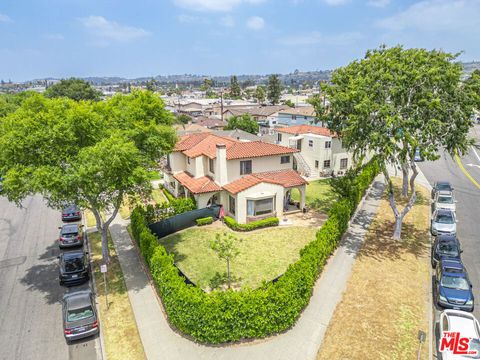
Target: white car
(464,323)
(444,200)
(443,222)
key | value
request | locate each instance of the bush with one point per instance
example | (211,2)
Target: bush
(220,317)
(232,224)
(168,195)
(204,221)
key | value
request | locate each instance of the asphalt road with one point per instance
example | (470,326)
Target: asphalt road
(30,295)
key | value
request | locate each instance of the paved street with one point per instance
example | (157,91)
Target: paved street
(30,309)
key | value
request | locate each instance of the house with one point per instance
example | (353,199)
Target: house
(185,129)
(320,151)
(210,122)
(266,115)
(304,115)
(238,134)
(252,180)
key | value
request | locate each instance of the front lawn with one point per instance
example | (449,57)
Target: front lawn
(264,254)
(319,195)
(386,300)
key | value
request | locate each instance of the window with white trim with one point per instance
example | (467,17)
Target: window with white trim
(245,167)
(211,165)
(310,143)
(231,205)
(328,144)
(326,164)
(343,163)
(285,159)
(260,207)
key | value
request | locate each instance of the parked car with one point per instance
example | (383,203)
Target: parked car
(79,315)
(74,268)
(418,156)
(464,323)
(444,200)
(71,235)
(453,289)
(445,247)
(441,186)
(443,222)
(71,213)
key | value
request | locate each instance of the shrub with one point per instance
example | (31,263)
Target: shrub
(220,317)
(204,221)
(232,224)
(168,195)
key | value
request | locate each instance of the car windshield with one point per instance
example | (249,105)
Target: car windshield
(455,282)
(79,314)
(441,187)
(444,218)
(445,200)
(73,264)
(448,249)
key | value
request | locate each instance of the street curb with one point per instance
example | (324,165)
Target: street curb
(102,343)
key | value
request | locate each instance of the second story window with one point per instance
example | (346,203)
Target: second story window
(326,164)
(245,167)
(285,159)
(211,166)
(343,163)
(310,143)
(316,164)
(188,160)
(279,137)
(328,144)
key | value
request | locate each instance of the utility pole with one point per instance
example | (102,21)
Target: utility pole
(221,103)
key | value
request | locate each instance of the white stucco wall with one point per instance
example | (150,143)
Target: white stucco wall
(260,191)
(199,169)
(177,161)
(259,164)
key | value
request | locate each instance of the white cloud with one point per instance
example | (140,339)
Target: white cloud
(378,3)
(255,23)
(227,21)
(335,2)
(436,15)
(213,5)
(104,30)
(54,37)
(5,18)
(315,38)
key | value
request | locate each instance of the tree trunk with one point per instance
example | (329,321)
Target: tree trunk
(405,180)
(397,232)
(228,273)
(102,228)
(105,252)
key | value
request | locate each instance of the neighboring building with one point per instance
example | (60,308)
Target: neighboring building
(253,180)
(320,151)
(265,115)
(189,129)
(210,122)
(304,115)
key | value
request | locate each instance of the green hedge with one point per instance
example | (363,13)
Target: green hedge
(220,317)
(232,224)
(168,195)
(204,221)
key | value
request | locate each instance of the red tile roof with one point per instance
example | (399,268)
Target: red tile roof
(197,186)
(306,129)
(205,144)
(286,178)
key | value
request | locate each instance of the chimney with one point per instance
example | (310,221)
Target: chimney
(221,165)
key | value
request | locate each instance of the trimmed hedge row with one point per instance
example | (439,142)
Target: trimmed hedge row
(232,224)
(204,221)
(168,195)
(220,317)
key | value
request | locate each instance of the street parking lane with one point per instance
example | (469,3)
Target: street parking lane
(30,294)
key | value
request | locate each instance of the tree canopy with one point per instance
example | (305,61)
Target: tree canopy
(87,153)
(396,100)
(260,94)
(73,88)
(243,122)
(235,89)
(274,89)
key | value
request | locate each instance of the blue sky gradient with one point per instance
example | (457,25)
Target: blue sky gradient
(63,38)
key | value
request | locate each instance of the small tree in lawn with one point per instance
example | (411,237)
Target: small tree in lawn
(396,100)
(225,245)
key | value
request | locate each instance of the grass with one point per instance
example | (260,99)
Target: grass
(118,325)
(385,303)
(264,254)
(90,218)
(158,196)
(319,195)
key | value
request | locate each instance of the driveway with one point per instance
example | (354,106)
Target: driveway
(30,309)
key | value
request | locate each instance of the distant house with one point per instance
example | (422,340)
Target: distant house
(304,115)
(320,151)
(185,129)
(238,134)
(210,122)
(252,180)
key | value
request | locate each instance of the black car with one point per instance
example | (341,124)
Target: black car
(444,186)
(74,268)
(71,213)
(445,247)
(71,235)
(79,315)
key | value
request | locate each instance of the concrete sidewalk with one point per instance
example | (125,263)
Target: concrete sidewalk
(300,342)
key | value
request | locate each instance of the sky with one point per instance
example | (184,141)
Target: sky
(64,38)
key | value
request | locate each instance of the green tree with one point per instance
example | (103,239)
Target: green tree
(394,101)
(289,103)
(235,90)
(207,85)
(317,101)
(183,119)
(260,94)
(151,85)
(90,154)
(225,245)
(472,86)
(73,88)
(243,122)
(11,102)
(274,89)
